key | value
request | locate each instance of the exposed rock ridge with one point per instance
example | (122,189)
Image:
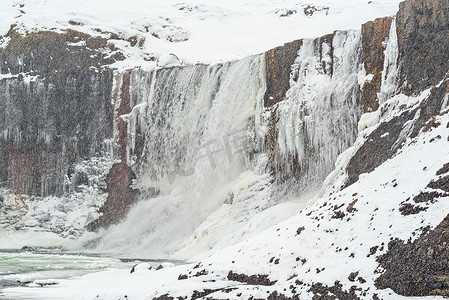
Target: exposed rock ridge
(422,28)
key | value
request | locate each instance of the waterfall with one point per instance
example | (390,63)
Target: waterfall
(195,139)
(209,163)
(191,133)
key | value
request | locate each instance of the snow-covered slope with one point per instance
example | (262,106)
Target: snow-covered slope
(206,31)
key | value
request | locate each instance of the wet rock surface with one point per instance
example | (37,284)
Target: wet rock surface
(120,196)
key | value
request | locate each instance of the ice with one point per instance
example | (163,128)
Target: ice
(319,119)
(390,70)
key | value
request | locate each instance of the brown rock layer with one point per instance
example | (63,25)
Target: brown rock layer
(373,35)
(278,68)
(120,178)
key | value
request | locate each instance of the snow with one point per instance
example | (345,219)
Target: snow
(367,120)
(445,102)
(195,31)
(325,243)
(168,60)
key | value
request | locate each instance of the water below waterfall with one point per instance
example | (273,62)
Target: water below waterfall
(44,267)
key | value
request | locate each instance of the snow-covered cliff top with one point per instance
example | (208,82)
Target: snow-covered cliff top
(195,31)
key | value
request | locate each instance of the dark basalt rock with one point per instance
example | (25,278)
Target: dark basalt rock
(428,197)
(423,30)
(49,125)
(441,184)
(60,118)
(279,296)
(431,107)
(250,279)
(443,170)
(407,209)
(324,292)
(418,268)
(164,297)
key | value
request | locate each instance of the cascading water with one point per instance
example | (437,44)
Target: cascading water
(195,141)
(197,129)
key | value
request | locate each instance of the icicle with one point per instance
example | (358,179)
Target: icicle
(390,70)
(319,118)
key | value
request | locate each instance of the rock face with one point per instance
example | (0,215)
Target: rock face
(305,136)
(388,137)
(374,34)
(120,177)
(56,116)
(422,31)
(278,69)
(423,28)
(56,120)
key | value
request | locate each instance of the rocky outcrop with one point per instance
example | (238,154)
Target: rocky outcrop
(48,54)
(279,62)
(418,268)
(374,34)
(388,137)
(423,30)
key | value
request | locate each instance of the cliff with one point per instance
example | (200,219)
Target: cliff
(193,158)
